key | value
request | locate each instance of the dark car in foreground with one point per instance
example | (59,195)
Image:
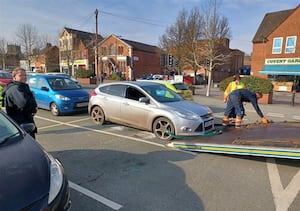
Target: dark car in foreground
(58,93)
(30,178)
(149,106)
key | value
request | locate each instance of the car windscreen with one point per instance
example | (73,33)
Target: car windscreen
(162,94)
(62,83)
(5,75)
(7,129)
(180,86)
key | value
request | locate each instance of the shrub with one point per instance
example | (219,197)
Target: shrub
(114,76)
(82,73)
(253,83)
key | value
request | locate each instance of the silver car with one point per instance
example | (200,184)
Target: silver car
(149,106)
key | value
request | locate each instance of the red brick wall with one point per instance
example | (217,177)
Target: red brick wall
(262,51)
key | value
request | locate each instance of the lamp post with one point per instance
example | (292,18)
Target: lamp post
(96,50)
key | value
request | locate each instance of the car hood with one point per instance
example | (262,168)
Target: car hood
(24,178)
(73,93)
(188,106)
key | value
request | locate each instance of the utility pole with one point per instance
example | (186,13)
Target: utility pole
(96,50)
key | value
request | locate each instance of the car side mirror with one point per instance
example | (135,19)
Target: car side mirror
(144,100)
(28,127)
(45,88)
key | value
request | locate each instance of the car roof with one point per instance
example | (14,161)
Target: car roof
(138,83)
(47,75)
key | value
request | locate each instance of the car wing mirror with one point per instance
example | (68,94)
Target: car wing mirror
(28,127)
(45,88)
(144,100)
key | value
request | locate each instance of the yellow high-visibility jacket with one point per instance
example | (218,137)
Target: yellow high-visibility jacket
(231,87)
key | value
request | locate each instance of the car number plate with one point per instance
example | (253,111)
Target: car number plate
(82,104)
(208,123)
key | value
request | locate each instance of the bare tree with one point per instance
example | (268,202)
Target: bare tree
(3,50)
(215,29)
(27,37)
(174,38)
(198,37)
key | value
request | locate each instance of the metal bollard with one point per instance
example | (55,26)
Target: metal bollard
(293,97)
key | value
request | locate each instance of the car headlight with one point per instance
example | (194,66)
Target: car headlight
(61,97)
(56,178)
(187,115)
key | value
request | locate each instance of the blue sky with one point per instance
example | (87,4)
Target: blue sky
(138,20)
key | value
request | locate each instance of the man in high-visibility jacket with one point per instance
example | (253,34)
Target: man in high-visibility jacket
(234,85)
(235,103)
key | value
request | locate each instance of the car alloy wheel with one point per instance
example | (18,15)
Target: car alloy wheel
(97,115)
(54,109)
(163,128)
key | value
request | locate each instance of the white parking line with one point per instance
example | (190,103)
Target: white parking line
(283,198)
(296,117)
(95,196)
(275,115)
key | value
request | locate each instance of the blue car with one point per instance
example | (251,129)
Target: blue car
(30,178)
(58,93)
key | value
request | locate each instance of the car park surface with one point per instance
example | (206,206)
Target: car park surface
(117,166)
(58,93)
(149,106)
(30,179)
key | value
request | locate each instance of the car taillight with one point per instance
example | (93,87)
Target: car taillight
(92,93)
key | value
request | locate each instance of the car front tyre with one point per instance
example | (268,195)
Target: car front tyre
(97,115)
(54,109)
(163,129)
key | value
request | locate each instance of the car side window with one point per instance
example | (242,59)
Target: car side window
(133,94)
(115,90)
(31,82)
(41,83)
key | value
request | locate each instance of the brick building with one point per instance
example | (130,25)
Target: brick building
(76,50)
(47,59)
(276,46)
(129,59)
(12,57)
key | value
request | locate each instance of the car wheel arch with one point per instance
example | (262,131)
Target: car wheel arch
(170,122)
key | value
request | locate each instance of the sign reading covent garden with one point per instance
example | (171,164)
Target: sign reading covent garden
(282,61)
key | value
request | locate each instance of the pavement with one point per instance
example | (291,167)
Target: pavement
(281,108)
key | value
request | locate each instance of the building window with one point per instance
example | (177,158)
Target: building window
(120,50)
(112,49)
(290,44)
(104,51)
(277,45)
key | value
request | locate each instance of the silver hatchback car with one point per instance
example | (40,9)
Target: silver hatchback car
(149,106)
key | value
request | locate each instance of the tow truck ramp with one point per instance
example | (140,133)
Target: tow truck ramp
(278,140)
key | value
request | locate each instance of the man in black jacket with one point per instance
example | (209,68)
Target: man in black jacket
(19,101)
(235,103)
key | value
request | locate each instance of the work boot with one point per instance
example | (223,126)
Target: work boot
(225,121)
(238,122)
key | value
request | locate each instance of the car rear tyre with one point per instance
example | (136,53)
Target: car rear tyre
(97,115)
(163,129)
(54,109)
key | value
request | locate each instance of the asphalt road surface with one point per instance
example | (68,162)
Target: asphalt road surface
(119,168)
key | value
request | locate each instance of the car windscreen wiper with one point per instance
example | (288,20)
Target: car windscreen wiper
(9,137)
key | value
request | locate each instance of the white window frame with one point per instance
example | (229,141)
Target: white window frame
(277,49)
(292,48)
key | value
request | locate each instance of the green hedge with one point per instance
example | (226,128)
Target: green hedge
(82,73)
(253,83)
